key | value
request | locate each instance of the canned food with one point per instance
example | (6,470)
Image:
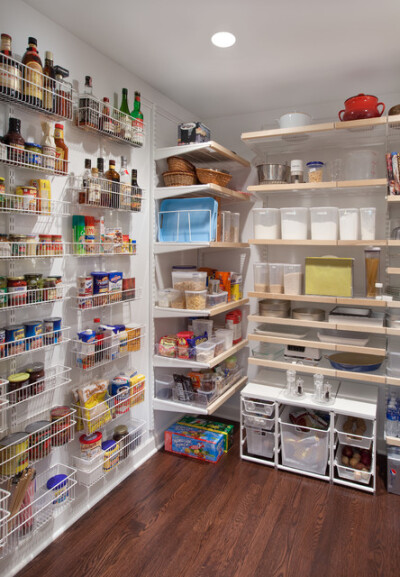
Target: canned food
(36,378)
(90,444)
(25,198)
(17,386)
(14,454)
(61,430)
(111,454)
(34,154)
(18,244)
(120,390)
(52,329)
(15,340)
(34,335)
(59,486)
(17,289)
(39,439)
(2,343)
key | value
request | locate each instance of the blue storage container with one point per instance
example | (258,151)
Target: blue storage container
(188,220)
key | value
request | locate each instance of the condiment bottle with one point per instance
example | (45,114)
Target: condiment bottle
(10,70)
(32,72)
(113,176)
(14,139)
(61,150)
(48,146)
(106,122)
(137,122)
(48,83)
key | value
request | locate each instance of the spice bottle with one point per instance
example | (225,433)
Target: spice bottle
(48,146)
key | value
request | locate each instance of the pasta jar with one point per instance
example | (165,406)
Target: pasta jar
(14,454)
(315,171)
(39,439)
(90,445)
(17,291)
(61,430)
(111,454)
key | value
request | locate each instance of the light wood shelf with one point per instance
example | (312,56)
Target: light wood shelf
(393,441)
(363,123)
(393,270)
(310,242)
(166,312)
(221,192)
(318,186)
(260,135)
(352,301)
(393,198)
(205,152)
(160,361)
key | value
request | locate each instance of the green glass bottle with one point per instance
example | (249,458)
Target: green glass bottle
(125,117)
(137,122)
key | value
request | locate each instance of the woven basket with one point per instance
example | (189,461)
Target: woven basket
(210,176)
(178,164)
(179,178)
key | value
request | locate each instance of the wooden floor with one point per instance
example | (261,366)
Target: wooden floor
(176,517)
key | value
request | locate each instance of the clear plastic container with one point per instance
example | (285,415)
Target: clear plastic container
(227,335)
(259,407)
(292,279)
(226,226)
(219,343)
(315,171)
(267,223)
(216,299)
(261,276)
(349,223)
(164,386)
(294,223)
(372,272)
(324,223)
(260,442)
(267,423)
(367,220)
(201,326)
(196,300)
(235,223)
(275,277)
(205,352)
(171,298)
(189,280)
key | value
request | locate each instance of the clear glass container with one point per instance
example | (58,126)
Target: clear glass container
(267,223)
(372,272)
(261,277)
(349,223)
(324,223)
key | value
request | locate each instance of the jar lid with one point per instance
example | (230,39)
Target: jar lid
(14,327)
(121,430)
(59,412)
(15,278)
(108,445)
(57,482)
(34,368)
(36,426)
(19,377)
(315,163)
(13,439)
(90,439)
(33,144)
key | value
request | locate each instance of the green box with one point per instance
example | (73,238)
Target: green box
(223,428)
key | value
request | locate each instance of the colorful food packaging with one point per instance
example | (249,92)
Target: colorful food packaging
(224,282)
(194,443)
(205,425)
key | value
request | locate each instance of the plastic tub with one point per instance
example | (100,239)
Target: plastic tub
(275,277)
(363,441)
(260,442)
(201,326)
(196,300)
(171,298)
(258,407)
(164,386)
(216,299)
(292,279)
(235,222)
(267,223)
(189,280)
(353,475)
(259,422)
(349,223)
(294,223)
(205,352)
(261,276)
(219,343)
(367,220)
(324,223)
(227,335)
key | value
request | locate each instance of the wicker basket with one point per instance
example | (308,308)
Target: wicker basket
(179,178)
(211,176)
(178,164)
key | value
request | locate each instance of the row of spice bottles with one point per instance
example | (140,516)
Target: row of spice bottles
(29,289)
(22,245)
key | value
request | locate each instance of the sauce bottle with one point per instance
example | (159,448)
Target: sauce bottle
(14,139)
(61,150)
(32,73)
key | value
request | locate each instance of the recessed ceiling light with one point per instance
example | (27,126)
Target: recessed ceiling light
(223,39)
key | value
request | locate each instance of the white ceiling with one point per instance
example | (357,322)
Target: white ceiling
(288,52)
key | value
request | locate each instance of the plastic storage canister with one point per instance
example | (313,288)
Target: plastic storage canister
(189,280)
(372,264)
(196,300)
(201,326)
(294,223)
(90,444)
(267,223)
(292,279)
(171,298)
(205,352)
(235,222)
(275,277)
(324,223)
(315,171)
(367,219)
(261,277)
(227,334)
(226,226)
(348,223)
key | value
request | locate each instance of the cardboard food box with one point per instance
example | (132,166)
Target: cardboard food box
(203,424)
(193,132)
(329,276)
(194,443)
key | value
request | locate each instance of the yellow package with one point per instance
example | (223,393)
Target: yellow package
(43,187)
(95,410)
(137,385)
(329,276)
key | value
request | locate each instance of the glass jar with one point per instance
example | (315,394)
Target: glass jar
(5,246)
(315,171)
(34,154)
(18,244)
(372,266)
(50,290)
(17,291)
(31,245)
(45,246)
(57,244)
(122,438)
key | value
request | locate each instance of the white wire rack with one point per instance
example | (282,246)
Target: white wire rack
(96,353)
(35,90)
(9,350)
(89,249)
(31,399)
(90,471)
(3,406)
(16,249)
(44,500)
(90,302)
(4,515)
(103,193)
(114,124)
(40,435)
(33,160)
(93,419)
(31,205)
(185,226)
(16,300)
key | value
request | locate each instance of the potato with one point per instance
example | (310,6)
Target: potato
(359,466)
(345,460)
(354,462)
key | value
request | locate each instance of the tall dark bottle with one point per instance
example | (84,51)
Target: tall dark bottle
(10,70)
(32,73)
(49,83)
(136,191)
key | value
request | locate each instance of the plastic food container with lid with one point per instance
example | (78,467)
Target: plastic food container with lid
(226,226)
(267,223)
(261,277)
(348,223)
(324,223)
(171,298)
(201,326)
(189,280)
(205,352)
(196,299)
(275,277)
(315,171)
(292,279)
(59,486)
(227,335)
(216,299)
(90,444)
(294,223)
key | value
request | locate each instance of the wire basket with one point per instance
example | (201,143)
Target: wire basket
(211,176)
(179,178)
(178,164)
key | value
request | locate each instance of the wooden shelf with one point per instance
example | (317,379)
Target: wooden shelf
(160,361)
(165,312)
(310,242)
(393,441)
(393,270)
(318,186)
(394,382)
(352,301)
(261,135)
(363,123)
(393,198)
(205,152)
(163,192)
(167,247)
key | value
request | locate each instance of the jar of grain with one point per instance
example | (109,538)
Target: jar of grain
(315,171)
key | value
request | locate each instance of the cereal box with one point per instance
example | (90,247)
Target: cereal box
(194,443)
(223,428)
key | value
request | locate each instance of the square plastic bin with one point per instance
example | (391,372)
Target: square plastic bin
(171,298)
(292,279)
(219,345)
(201,326)
(227,335)
(266,423)
(324,223)
(164,385)
(196,300)
(261,277)
(260,442)
(303,448)
(216,299)
(267,223)
(346,438)
(259,407)
(189,280)
(294,223)
(205,352)
(353,475)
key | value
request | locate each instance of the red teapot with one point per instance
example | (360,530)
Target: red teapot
(361,106)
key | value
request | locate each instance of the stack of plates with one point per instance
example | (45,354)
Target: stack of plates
(308,314)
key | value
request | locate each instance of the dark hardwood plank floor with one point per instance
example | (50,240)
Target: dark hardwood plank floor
(177,517)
